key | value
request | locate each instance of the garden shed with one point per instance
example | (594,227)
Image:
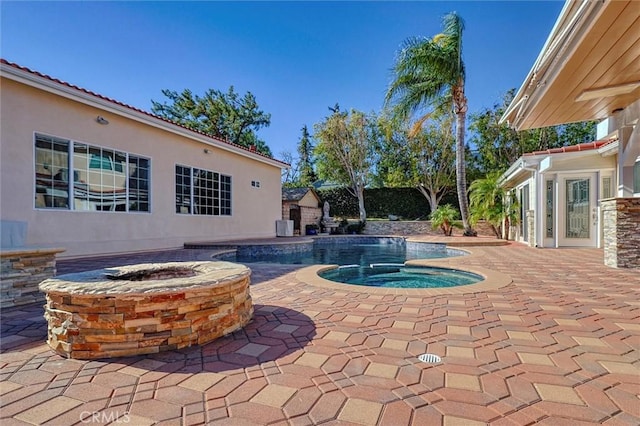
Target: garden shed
(302,206)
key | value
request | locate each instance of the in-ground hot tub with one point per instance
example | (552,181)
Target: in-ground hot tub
(146,308)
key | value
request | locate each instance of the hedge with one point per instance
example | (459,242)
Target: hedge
(407,203)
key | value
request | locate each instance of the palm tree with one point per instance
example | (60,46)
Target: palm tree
(430,73)
(491,202)
(487,202)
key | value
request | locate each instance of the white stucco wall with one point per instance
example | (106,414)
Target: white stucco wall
(562,166)
(26,110)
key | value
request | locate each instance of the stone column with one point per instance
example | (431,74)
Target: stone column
(621,226)
(531,227)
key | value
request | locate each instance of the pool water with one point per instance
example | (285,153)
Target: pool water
(400,276)
(374,261)
(351,254)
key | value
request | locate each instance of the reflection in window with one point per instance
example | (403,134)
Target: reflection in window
(577,208)
(52,173)
(202,192)
(103,179)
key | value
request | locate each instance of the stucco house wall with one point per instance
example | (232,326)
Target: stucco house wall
(28,110)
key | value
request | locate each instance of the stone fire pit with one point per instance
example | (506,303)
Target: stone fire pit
(147,308)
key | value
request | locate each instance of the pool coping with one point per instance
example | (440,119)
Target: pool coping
(493,280)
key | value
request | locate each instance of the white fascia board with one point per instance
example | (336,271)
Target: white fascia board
(546,164)
(522,164)
(113,107)
(609,149)
(511,172)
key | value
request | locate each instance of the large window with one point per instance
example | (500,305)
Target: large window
(202,192)
(98,179)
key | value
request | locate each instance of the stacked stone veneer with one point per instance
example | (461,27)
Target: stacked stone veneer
(21,271)
(180,304)
(402,227)
(621,225)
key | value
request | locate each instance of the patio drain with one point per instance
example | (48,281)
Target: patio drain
(430,358)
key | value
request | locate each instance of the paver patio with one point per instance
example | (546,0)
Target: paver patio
(560,345)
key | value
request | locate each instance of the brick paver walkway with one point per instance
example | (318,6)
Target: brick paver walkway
(560,345)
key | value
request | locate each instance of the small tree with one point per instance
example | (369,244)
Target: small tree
(345,150)
(306,163)
(444,217)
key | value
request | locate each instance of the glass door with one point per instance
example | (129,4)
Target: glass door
(580,216)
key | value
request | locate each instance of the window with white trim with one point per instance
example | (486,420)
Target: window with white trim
(202,192)
(72,175)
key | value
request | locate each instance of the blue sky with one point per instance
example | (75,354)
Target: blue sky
(297,58)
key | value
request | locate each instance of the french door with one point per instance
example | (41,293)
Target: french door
(578,213)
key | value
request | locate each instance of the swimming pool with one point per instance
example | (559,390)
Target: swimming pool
(345,251)
(365,261)
(400,276)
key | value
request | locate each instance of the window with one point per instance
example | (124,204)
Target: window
(549,213)
(202,192)
(183,189)
(606,187)
(102,179)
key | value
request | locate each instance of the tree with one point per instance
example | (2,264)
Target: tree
(498,145)
(425,161)
(290,177)
(486,201)
(491,202)
(431,73)
(225,116)
(306,164)
(344,151)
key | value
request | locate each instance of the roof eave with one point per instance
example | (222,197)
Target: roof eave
(51,86)
(561,37)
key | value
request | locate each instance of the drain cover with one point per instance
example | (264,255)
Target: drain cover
(430,358)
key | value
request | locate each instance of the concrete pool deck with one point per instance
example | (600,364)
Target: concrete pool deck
(560,344)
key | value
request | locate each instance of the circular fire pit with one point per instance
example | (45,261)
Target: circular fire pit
(147,308)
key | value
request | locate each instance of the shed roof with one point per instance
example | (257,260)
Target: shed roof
(296,194)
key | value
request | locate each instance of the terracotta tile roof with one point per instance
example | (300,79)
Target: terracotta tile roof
(132,108)
(573,148)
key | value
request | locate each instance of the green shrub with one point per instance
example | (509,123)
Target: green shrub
(407,203)
(444,217)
